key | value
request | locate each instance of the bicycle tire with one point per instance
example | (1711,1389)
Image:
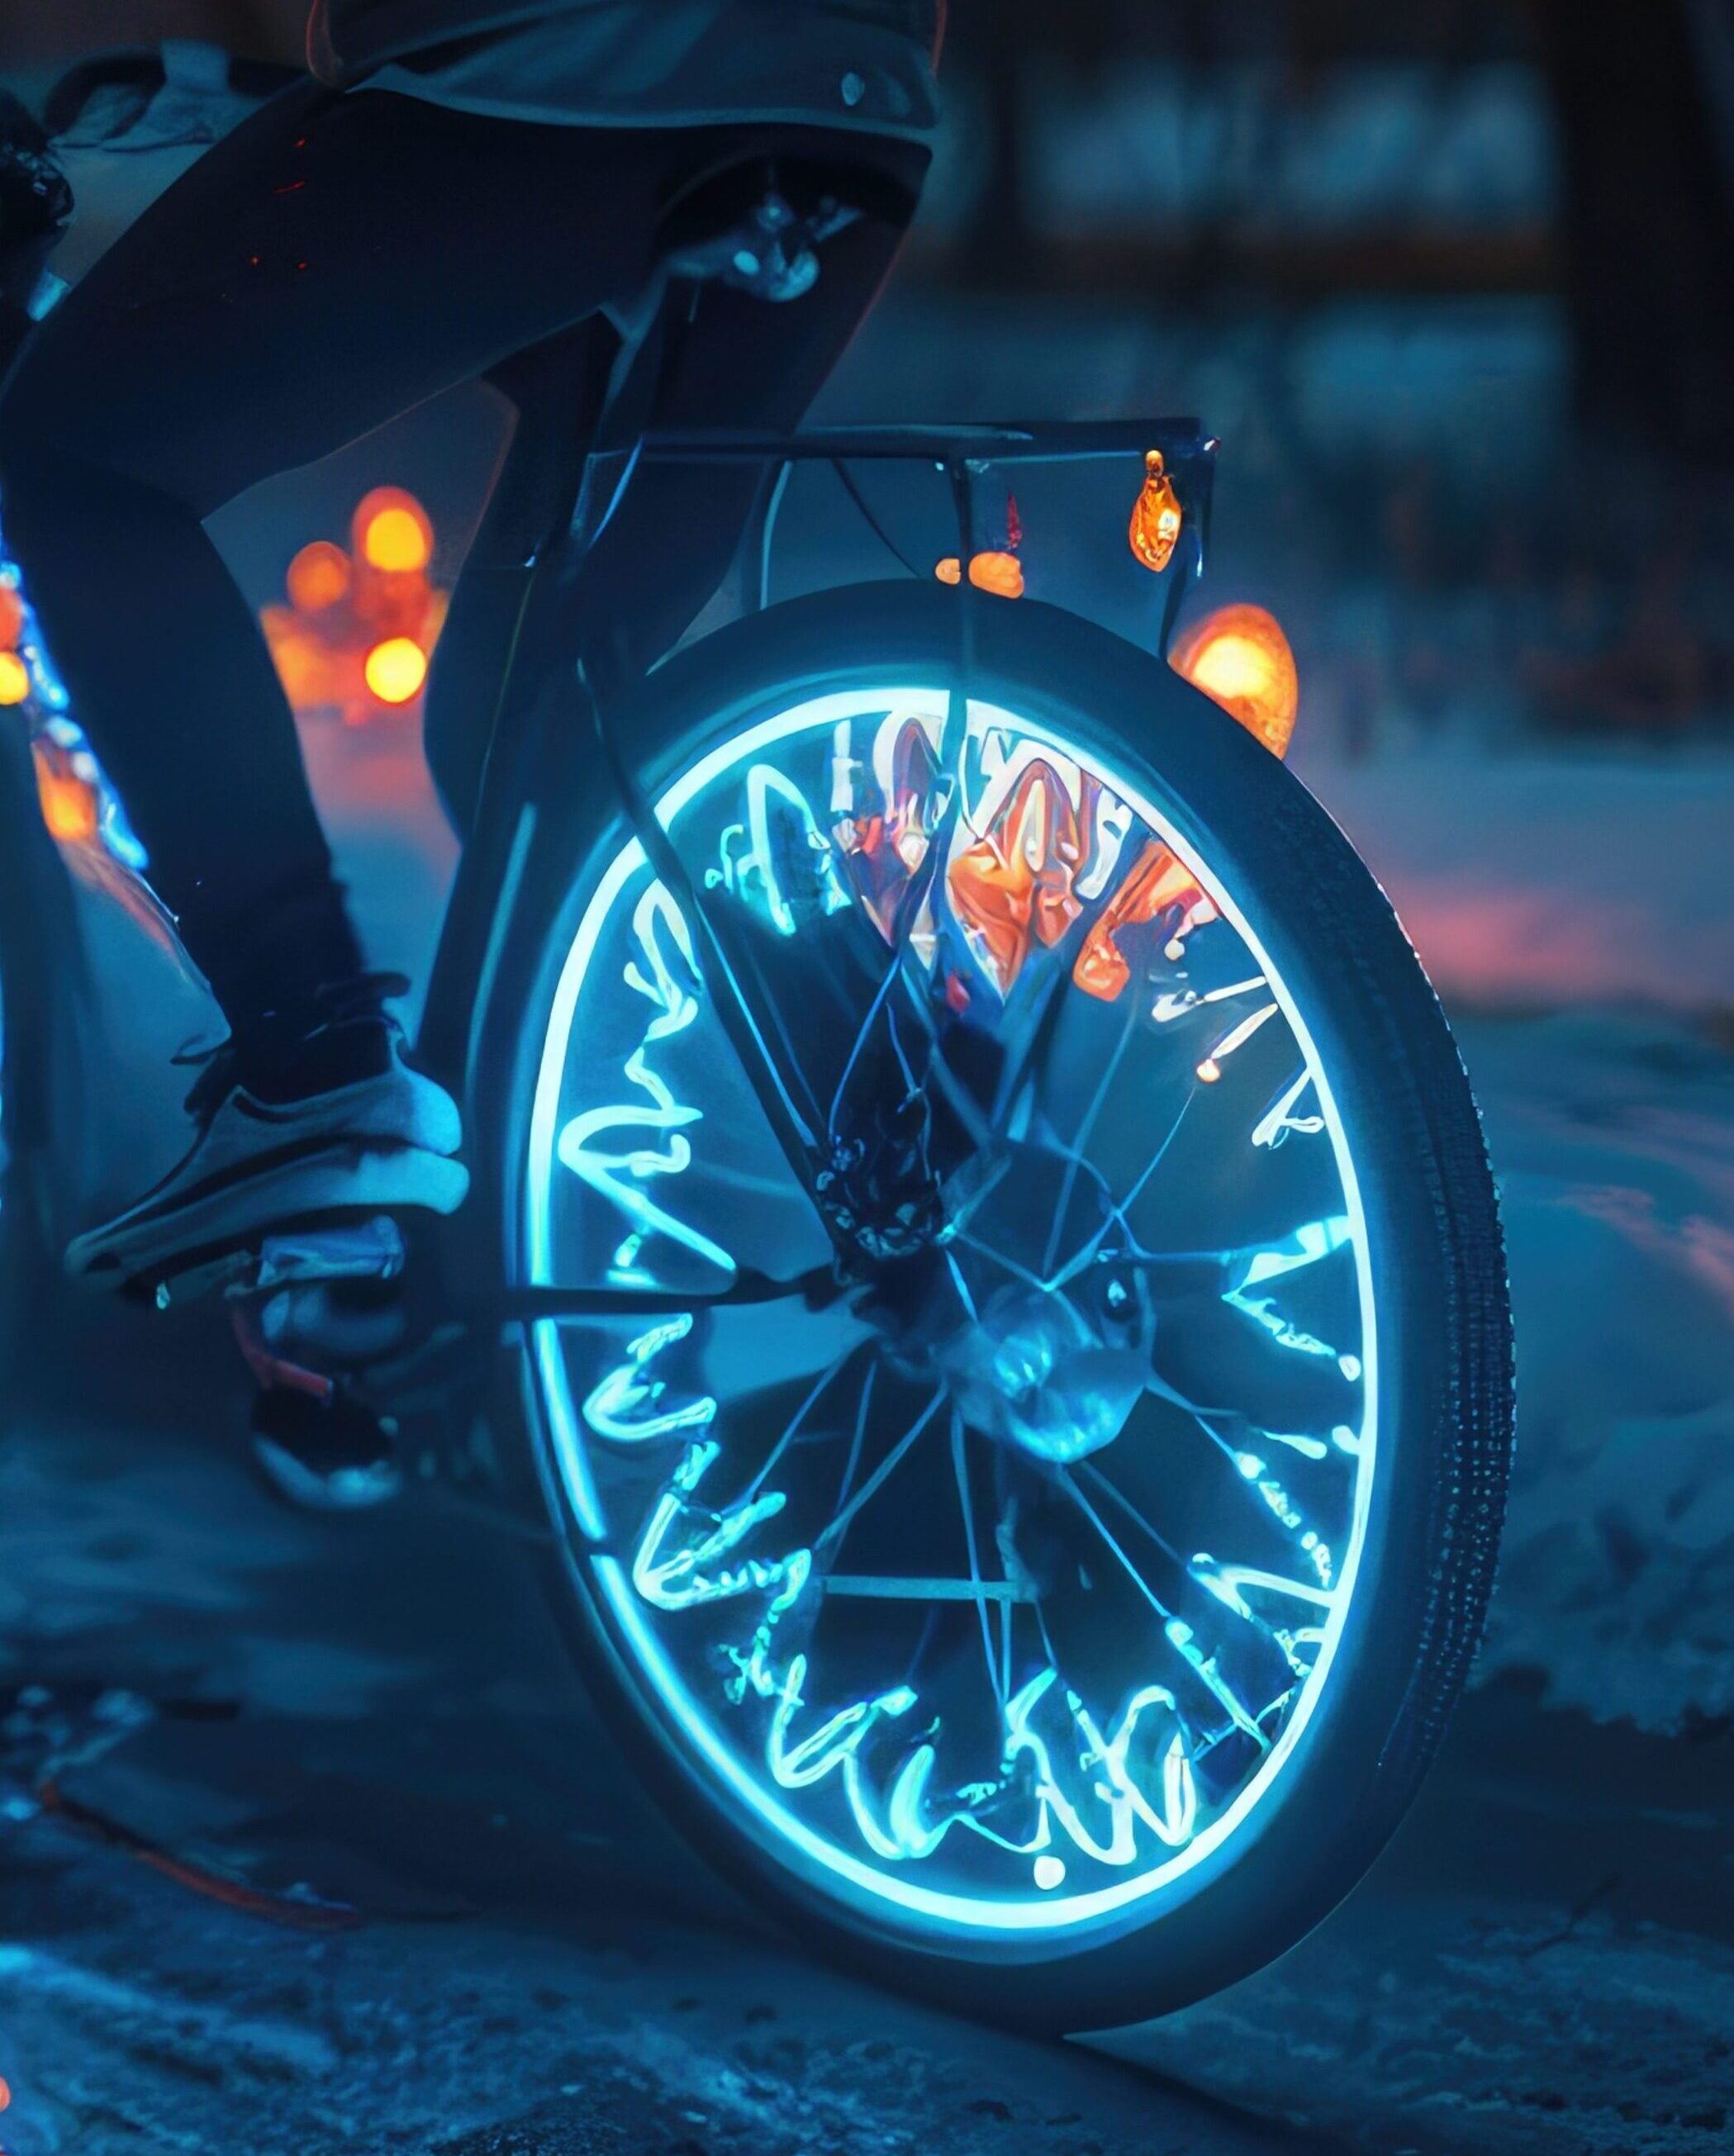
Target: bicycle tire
(1443,1324)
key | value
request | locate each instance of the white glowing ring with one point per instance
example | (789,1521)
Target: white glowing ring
(771,1820)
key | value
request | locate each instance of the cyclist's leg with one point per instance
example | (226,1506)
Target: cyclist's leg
(333,261)
(556,388)
(735,362)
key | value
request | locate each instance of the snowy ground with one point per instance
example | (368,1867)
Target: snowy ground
(1579,920)
(479,1939)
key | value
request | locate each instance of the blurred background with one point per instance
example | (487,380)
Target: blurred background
(1453,283)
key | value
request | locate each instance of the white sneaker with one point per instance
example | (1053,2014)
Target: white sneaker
(377,1144)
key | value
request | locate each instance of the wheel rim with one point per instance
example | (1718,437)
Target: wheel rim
(978,1501)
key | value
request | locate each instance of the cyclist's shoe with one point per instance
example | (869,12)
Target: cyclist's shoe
(341,1124)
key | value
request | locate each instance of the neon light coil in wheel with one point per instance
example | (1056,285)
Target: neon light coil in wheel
(977,1468)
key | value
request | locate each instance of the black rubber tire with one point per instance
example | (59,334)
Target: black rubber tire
(1444,1341)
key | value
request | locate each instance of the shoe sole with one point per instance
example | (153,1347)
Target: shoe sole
(150,1244)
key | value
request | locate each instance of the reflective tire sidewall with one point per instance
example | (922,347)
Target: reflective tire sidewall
(1444,1339)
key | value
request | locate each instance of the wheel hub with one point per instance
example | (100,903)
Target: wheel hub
(1042,1339)
(1036,1372)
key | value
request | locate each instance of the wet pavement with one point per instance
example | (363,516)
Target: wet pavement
(310,1843)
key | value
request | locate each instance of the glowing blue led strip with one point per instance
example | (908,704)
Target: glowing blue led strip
(786,1832)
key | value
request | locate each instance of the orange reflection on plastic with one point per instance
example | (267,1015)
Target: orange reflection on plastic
(395,669)
(1014,884)
(1158,881)
(995,571)
(68,805)
(14,679)
(1240,657)
(392,532)
(12,618)
(307,664)
(318,576)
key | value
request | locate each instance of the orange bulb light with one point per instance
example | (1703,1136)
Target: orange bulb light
(997,571)
(1157,517)
(12,618)
(318,576)
(14,678)
(1241,660)
(395,669)
(393,532)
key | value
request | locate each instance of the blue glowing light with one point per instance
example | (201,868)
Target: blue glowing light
(1093,1809)
(47,710)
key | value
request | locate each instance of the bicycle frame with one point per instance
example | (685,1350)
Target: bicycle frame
(964,454)
(483,900)
(525,755)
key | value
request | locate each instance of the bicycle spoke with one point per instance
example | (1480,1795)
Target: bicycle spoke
(1080,1137)
(793,1131)
(960,1466)
(792,1426)
(854,1450)
(833,1537)
(816,1287)
(1118,1555)
(1118,1498)
(1120,1481)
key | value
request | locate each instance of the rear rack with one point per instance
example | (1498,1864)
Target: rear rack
(1042,441)
(964,454)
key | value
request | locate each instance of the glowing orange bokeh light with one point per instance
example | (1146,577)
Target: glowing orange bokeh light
(12,618)
(14,679)
(996,570)
(318,576)
(358,631)
(1240,657)
(392,532)
(395,669)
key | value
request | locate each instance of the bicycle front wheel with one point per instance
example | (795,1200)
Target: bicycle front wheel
(1030,1425)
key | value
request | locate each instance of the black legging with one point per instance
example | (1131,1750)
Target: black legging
(334,261)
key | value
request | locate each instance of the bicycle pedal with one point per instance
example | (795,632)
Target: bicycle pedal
(329,1454)
(343,1324)
(370,1249)
(343,1251)
(209,1276)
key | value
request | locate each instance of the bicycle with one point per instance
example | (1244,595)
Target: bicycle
(981,1273)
